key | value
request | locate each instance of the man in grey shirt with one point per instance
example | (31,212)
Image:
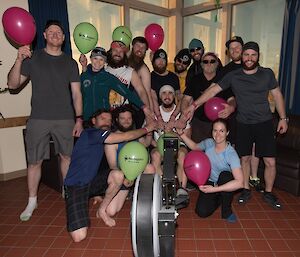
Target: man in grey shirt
(251,85)
(53,75)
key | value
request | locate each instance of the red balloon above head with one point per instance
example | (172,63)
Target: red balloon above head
(197,167)
(19,25)
(213,106)
(154,35)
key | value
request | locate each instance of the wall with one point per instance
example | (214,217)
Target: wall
(12,154)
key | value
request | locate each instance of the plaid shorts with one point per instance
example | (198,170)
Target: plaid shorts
(77,200)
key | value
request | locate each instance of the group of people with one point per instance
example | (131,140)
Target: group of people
(117,92)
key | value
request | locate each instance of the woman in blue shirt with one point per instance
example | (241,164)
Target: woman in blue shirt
(226,173)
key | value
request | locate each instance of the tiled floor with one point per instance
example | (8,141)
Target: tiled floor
(261,231)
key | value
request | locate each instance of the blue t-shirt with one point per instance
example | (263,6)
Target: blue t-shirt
(86,157)
(223,161)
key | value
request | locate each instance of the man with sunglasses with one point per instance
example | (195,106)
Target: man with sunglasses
(201,125)
(251,86)
(196,49)
(181,63)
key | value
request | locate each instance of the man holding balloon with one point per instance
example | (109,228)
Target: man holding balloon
(112,203)
(82,180)
(251,86)
(51,73)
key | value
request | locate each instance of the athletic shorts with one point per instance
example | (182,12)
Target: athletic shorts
(38,134)
(262,134)
(77,200)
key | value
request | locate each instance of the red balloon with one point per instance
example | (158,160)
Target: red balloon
(154,35)
(213,106)
(197,167)
(19,25)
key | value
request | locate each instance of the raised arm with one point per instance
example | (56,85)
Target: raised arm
(139,88)
(145,76)
(14,78)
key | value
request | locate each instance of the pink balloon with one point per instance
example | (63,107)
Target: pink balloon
(154,35)
(19,25)
(213,106)
(197,167)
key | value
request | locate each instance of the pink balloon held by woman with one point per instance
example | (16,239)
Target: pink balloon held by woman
(19,25)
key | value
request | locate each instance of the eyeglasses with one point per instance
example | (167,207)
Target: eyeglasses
(209,61)
(182,62)
(195,49)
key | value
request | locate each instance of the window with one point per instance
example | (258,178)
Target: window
(187,3)
(261,21)
(140,20)
(206,27)
(105,17)
(161,3)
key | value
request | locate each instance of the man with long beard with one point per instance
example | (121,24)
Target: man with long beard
(251,85)
(136,61)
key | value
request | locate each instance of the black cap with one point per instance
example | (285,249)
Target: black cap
(251,45)
(184,55)
(54,22)
(234,39)
(160,53)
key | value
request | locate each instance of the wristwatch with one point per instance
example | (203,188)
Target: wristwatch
(286,119)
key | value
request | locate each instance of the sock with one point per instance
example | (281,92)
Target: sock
(31,206)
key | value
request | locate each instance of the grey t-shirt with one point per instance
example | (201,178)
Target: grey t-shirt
(251,93)
(51,77)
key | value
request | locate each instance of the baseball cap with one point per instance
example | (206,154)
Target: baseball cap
(99,51)
(234,39)
(160,53)
(184,55)
(166,88)
(195,43)
(251,45)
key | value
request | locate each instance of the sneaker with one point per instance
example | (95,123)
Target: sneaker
(244,196)
(232,218)
(255,182)
(181,191)
(272,200)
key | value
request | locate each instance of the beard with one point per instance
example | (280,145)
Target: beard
(168,105)
(136,62)
(116,63)
(159,70)
(178,70)
(124,129)
(252,67)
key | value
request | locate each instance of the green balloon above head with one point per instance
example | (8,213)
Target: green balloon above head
(160,141)
(122,34)
(133,159)
(85,37)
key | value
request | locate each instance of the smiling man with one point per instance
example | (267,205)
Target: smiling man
(251,85)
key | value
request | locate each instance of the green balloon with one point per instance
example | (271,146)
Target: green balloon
(85,37)
(160,141)
(133,159)
(122,34)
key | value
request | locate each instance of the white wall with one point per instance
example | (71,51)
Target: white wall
(12,154)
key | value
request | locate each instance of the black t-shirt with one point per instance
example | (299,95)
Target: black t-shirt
(229,67)
(158,81)
(251,93)
(197,86)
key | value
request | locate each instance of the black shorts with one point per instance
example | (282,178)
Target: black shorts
(262,134)
(77,200)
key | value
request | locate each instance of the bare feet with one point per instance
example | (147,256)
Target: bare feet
(97,199)
(106,218)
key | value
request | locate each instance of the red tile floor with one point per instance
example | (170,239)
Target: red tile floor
(260,231)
